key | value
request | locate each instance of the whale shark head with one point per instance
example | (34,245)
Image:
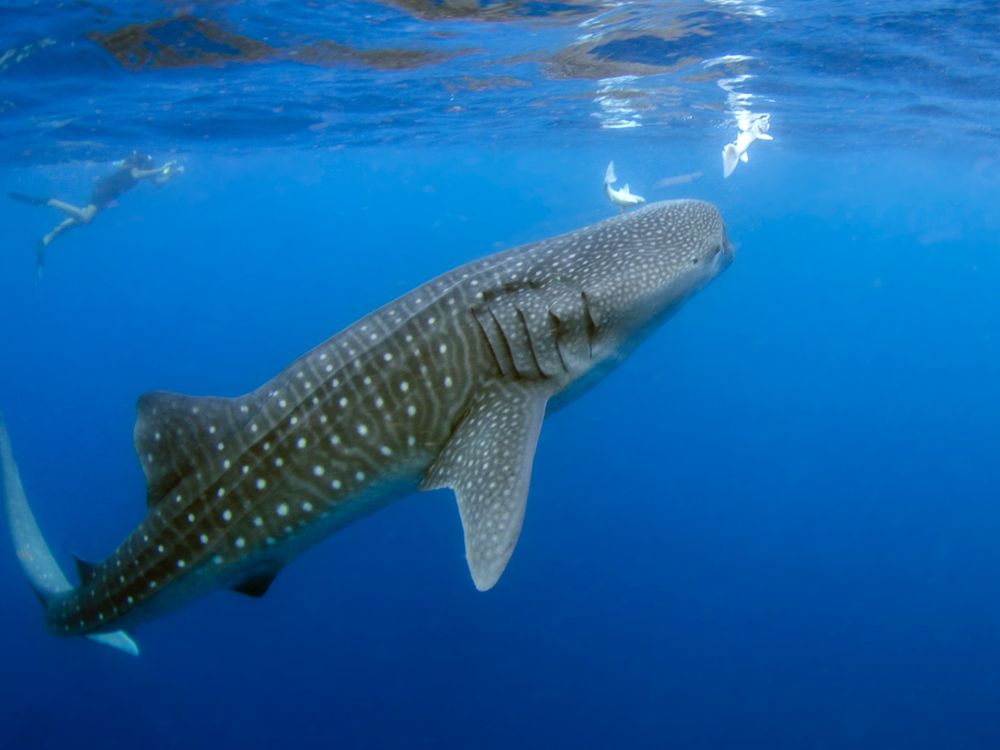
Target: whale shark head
(649,263)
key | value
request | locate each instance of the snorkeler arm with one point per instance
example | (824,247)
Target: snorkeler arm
(160,175)
(140,174)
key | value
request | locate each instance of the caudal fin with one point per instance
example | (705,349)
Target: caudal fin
(37,561)
(730,158)
(609,174)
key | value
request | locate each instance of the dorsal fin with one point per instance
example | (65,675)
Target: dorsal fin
(85,570)
(173,433)
(257,584)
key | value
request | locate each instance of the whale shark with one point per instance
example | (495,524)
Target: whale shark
(445,387)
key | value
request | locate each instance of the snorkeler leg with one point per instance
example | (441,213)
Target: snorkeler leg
(45,241)
(83,215)
(59,229)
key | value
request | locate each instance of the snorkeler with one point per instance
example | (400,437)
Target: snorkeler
(106,191)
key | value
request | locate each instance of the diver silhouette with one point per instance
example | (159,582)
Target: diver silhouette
(128,173)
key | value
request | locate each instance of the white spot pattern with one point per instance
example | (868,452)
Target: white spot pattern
(618,263)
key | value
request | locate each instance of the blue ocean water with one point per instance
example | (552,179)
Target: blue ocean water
(775,526)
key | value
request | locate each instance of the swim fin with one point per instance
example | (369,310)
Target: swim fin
(39,260)
(29,199)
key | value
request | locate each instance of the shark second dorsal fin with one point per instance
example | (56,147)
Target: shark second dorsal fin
(487,462)
(84,570)
(173,432)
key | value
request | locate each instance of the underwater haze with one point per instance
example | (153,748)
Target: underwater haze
(776,525)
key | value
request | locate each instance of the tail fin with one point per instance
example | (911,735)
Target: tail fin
(730,158)
(39,565)
(609,174)
(21,197)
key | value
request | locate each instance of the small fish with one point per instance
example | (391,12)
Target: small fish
(752,128)
(620,198)
(681,179)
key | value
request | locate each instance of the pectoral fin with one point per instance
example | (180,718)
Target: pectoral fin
(487,462)
(257,584)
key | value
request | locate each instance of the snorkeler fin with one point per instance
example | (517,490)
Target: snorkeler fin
(31,200)
(39,260)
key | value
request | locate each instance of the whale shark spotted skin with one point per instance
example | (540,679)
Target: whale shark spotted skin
(446,386)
